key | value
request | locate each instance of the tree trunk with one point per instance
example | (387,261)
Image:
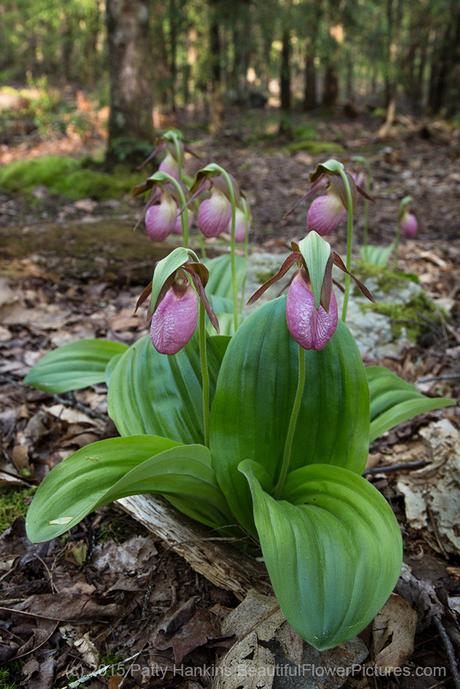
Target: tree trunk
(285,72)
(130,69)
(331,86)
(310,90)
(217,109)
(173,46)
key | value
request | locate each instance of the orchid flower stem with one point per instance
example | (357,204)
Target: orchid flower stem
(287,454)
(396,245)
(366,223)
(231,192)
(204,374)
(179,157)
(246,258)
(349,197)
(202,244)
(184,212)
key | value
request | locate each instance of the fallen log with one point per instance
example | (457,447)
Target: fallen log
(206,551)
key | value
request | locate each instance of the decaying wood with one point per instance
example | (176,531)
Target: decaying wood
(205,551)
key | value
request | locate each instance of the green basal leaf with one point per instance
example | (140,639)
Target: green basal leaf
(74,366)
(220,275)
(166,268)
(254,396)
(111,469)
(376,255)
(159,394)
(316,252)
(394,400)
(333,552)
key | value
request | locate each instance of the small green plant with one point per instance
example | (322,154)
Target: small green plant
(265,433)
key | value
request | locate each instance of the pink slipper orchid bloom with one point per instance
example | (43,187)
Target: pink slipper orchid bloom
(326,213)
(311,305)
(175,292)
(175,319)
(214,214)
(310,327)
(160,217)
(170,165)
(409,224)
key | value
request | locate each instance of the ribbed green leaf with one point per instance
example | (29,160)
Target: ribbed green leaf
(376,255)
(159,394)
(254,396)
(333,552)
(220,275)
(74,366)
(394,400)
(111,469)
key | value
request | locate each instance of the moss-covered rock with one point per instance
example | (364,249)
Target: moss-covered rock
(417,318)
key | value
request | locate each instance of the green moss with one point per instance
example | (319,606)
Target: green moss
(315,147)
(385,278)
(68,177)
(263,276)
(12,505)
(5,680)
(25,175)
(417,317)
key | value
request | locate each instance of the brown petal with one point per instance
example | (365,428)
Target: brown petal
(340,264)
(289,261)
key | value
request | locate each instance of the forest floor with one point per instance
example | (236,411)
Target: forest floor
(111,590)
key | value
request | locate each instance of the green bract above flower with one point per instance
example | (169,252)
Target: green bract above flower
(178,282)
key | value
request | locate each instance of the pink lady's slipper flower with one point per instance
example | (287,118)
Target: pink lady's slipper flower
(310,327)
(175,319)
(176,289)
(214,214)
(178,225)
(408,224)
(170,165)
(160,217)
(311,305)
(241,225)
(326,213)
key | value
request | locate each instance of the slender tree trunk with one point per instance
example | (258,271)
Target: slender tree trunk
(173,46)
(331,86)
(443,62)
(285,84)
(130,69)
(310,86)
(215,46)
(285,72)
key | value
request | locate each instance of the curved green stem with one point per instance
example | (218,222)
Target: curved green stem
(180,162)
(184,210)
(231,193)
(287,454)
(349,197)
(204,374)
(396,245)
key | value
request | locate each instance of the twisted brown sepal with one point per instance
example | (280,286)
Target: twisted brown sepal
(361,286)
(288,262)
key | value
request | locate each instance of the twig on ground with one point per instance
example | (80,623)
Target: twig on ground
(401,466)
(449,650)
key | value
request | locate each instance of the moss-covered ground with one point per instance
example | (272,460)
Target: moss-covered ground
(70,177)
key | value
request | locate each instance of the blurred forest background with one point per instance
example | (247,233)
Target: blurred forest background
(64,64)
